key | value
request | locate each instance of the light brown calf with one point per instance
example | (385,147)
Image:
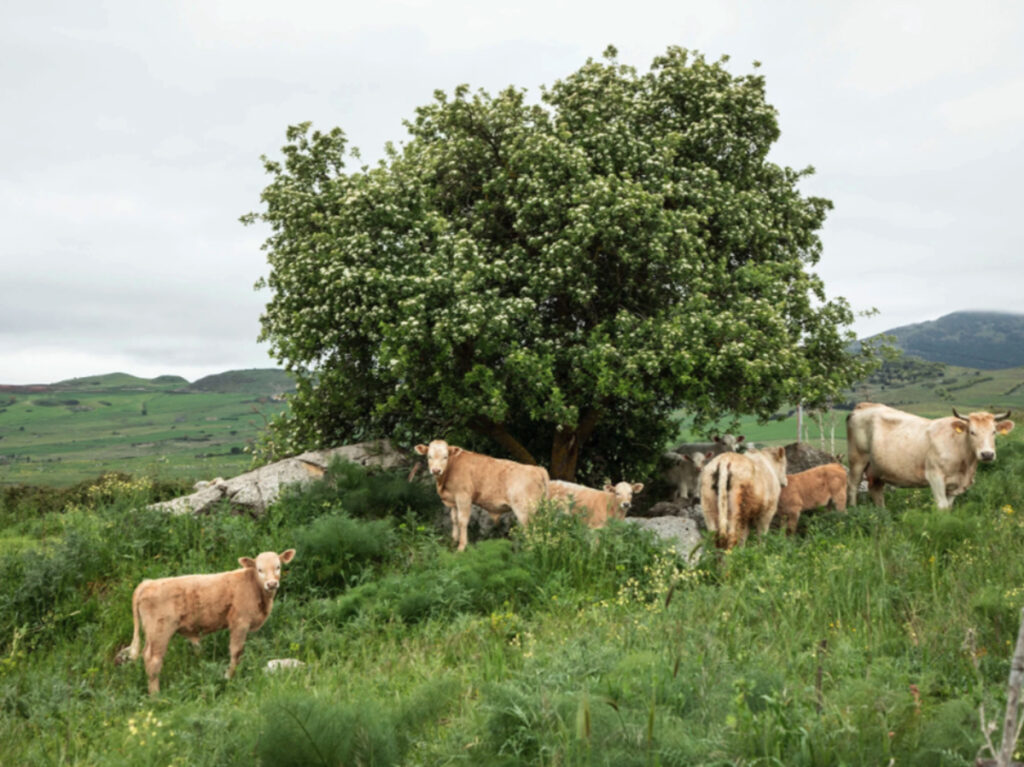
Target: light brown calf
(464,478)
(739,490)
(598,506)
(194,605)
(821,486)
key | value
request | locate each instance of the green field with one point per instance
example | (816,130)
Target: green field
(870,638)
(161,428)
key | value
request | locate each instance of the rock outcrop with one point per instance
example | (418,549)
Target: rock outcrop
(255,490)
(682,532)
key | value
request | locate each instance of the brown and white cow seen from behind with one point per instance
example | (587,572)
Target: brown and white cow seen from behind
(823,485)
(194,605)
(738,490)
(906,450)
(495,484)
(598,506)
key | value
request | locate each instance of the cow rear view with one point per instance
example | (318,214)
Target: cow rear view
(740,490)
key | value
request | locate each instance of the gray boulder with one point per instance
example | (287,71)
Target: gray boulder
(800,457)
(682,532)
(255,490)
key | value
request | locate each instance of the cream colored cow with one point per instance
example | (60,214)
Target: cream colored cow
(906,450)
(818,486)
(495,484)
(598,506)
(738,490)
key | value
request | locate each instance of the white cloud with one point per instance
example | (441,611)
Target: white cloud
(994,108)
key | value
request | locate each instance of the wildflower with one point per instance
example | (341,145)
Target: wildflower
(1007,509)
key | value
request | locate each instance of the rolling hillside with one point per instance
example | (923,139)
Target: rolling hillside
(984,340)
(62,433)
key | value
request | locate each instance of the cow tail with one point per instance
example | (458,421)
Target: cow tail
(723,501)
(136,645)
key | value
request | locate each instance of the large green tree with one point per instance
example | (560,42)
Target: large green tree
(551,281)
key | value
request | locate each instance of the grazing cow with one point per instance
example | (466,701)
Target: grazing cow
(906,450)
(464,478)
(739,490)
(823,485)
(194,605)
(597,505)
(683,474)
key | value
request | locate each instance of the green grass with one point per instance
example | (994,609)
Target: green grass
(84,427)
(872,636)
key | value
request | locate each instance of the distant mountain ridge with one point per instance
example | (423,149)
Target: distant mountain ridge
(974,339)
(255,381)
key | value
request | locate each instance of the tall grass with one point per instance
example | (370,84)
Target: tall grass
(872,636)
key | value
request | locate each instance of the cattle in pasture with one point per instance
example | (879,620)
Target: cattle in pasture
(821,486)
(682,473)
(906,450)
(738,490)
(194,605)
(495,484)
(598,506)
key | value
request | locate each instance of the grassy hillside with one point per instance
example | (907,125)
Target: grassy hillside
(986,340)
(80,428)
(870,638)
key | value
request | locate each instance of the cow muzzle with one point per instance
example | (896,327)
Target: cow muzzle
(271,585)
(987,455)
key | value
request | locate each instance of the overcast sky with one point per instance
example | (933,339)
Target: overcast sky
(132,132)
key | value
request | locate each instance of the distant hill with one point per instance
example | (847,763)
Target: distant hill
(256,381)
(985,340)
(122,381)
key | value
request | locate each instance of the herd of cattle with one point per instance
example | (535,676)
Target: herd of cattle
(737,491)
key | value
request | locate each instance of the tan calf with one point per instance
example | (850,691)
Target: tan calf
(194,605)
(464,478)
(739,490)
(821,486)
(598,506)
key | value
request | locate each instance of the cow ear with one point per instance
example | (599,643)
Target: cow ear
(1004,427)
(688,458)
(247,562)
(780,452)
(287,556)
(453,451)
(709,454)
(958,427)
(740,438)
(638,486)
(421,449)
(608,487)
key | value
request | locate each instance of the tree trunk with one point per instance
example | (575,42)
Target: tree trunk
(496,431)
(565,448)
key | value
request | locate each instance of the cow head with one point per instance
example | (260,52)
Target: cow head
(731,442)
(268,567)
(980,429)
(438,452)
(623,495)
(698,459)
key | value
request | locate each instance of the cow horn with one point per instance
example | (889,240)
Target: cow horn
(1001,416)
(962,418)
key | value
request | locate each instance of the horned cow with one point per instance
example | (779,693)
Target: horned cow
(194,605)
(495,484)
(739,490)
(906,450)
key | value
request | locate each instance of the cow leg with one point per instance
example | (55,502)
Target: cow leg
(153,658)
(764,522)
(937,482)
(453,514)
(464,510)
(195,644)
(236,646)
(858,463)
(876,489)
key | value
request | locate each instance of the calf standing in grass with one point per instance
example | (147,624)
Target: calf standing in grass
(740,490)
(821,486)
(598,505)
(464,478)
(194,605)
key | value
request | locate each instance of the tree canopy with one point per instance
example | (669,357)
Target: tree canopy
(551,281)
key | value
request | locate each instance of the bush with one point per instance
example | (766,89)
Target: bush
(338,551)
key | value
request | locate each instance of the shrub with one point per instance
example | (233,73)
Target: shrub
(337,551)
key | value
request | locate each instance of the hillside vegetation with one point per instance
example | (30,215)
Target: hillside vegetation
(871,636)
(985,340)
(67,432)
